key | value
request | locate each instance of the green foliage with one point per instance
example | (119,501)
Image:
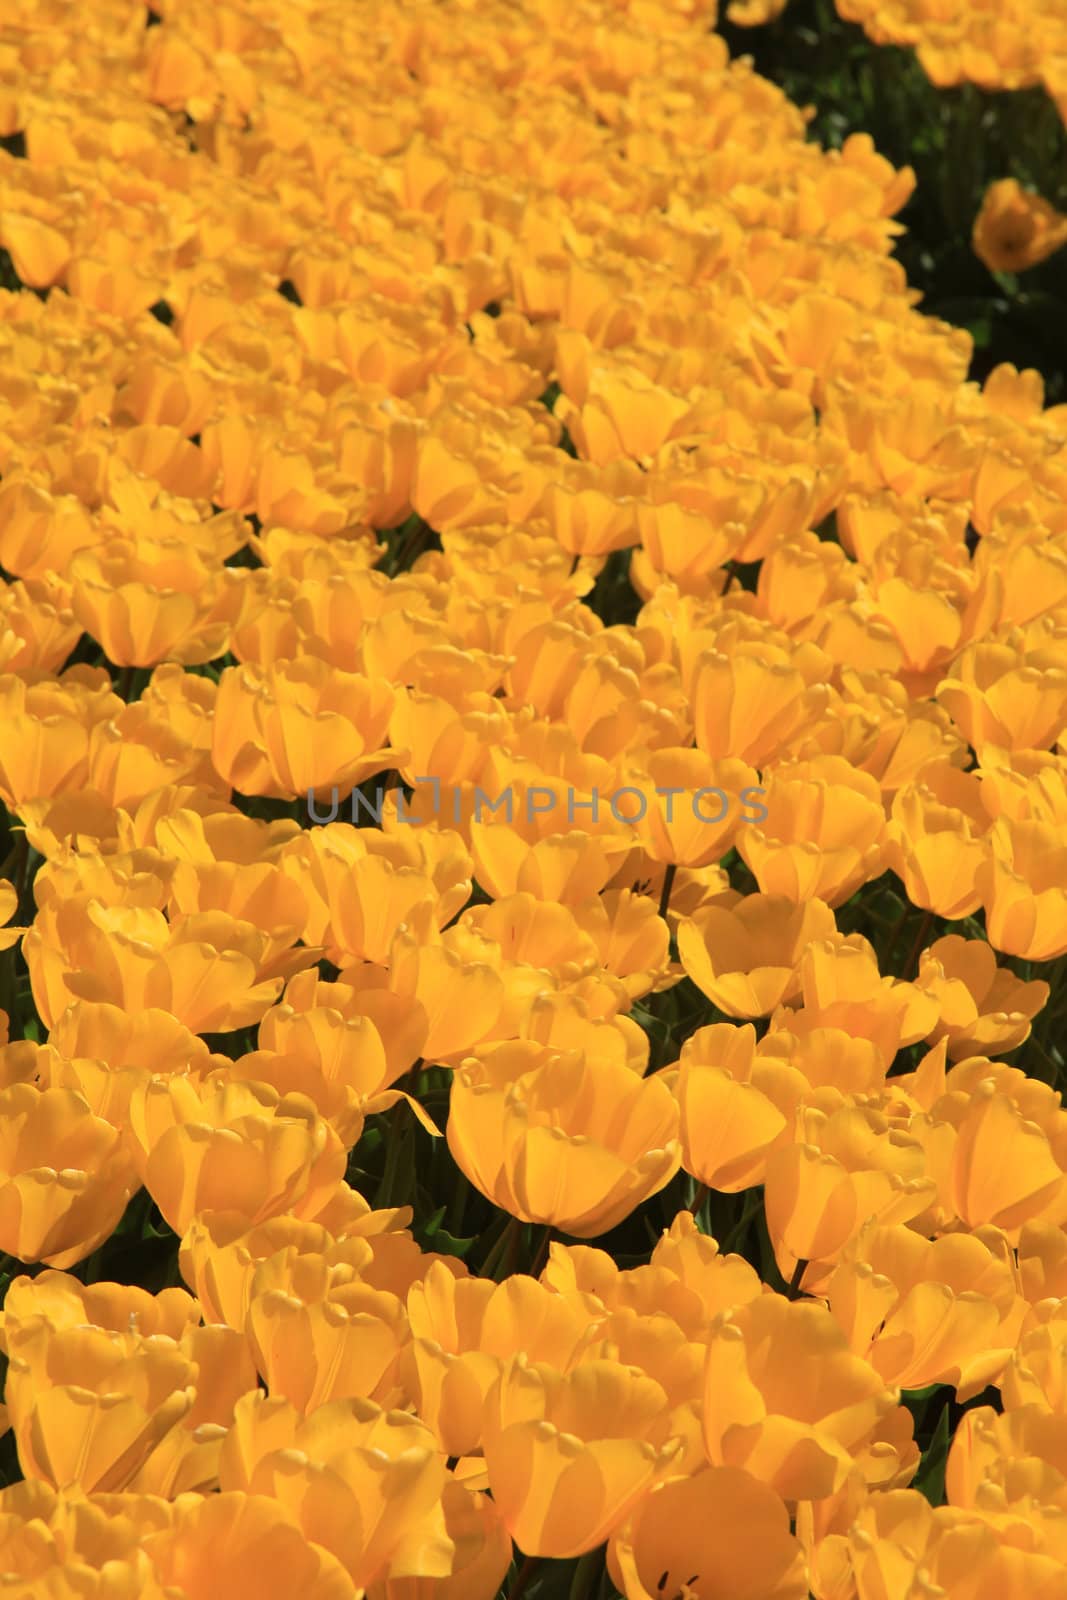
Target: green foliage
(958,141)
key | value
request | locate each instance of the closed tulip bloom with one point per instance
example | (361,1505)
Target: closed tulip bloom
(823,834)
(364,1483)
(568,864)
(727,1532)
(540,933)
(442,740)
(560,1138)
(990,1009)
(750,708)
(135,754)
(1025,890)
(233,1147)
(680,542)
(88,1404)
(746,957)
(847,1166)
(842,988)
(729,1120)
(204,968)
(624,415)
(937,842)
(318,1333)
(1005,699)
(460,1000)
(61,1301)
(453,1377)
(321,860)
(464,1328)
(46,747)
(151,1039)
(65,1178)
(401,1026)
(219,1255)
(568,1455)
(1003,1168)
(367,900)
(39,628)
(338,1062)
(694,805)
(149,603)
(785,1398)
(233,864)
(702,1274)
(187,1458)
(54,1544)
(233,1543)
(595,512)
(482,1553)
(1036,1374)
(301,728)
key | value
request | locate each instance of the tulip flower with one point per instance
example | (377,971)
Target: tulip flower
(318,1333)
(482,1553)
(366,1483)
(1015,229)
(729,1119)
(203,968)
(745,957)
(786,1400)
(748,708)
(1025,890)
(929,1311)
(300,729)
(986,1010)
(464,1328)
(568,1455)
(823,833)
(88,1405)
(559,1138)
(235,1147)
(64,1177)
(233,1541)
(54,1542)
(727,1532)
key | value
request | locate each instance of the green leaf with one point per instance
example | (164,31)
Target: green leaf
(930,1479)
(446,1244)
(1040,1065)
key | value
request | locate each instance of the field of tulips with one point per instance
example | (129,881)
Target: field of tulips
(533,845)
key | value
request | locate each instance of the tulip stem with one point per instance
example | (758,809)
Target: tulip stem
(514,1236)
(396,1142)
(20,868)
(793,1291)
(911,966)
(523,1577)
(668,885)
(588,1575)
(894,935)
(537,1266)
(698,1199)
(499,1245)
(124,687)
